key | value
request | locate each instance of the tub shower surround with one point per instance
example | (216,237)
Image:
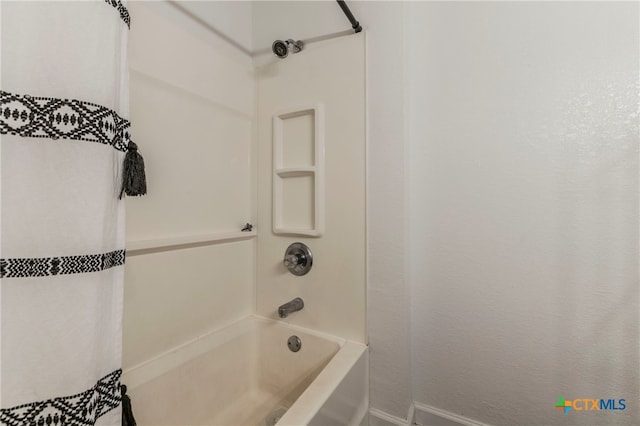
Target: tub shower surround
(64,134)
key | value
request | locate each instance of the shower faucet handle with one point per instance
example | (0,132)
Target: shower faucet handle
(293,260)
(298,259)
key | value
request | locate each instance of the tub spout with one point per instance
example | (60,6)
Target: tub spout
(295,305)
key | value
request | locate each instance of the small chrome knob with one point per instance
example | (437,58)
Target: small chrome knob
(293,260)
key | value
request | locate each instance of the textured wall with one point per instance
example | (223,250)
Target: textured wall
(388,297)
(523,186)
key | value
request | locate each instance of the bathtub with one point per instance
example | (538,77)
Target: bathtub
(245,374)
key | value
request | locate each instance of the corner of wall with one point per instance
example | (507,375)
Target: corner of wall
(421,415)
(380,418)
(425,415)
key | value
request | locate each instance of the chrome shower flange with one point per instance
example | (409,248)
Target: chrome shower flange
(298,259)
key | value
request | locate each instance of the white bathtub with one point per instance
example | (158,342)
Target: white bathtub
(245,374)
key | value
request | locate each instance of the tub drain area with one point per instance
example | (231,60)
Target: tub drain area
(294,343)
(275,415)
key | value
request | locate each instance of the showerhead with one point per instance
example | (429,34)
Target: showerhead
(282,48)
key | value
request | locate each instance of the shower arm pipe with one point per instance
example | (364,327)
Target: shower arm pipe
(354,23)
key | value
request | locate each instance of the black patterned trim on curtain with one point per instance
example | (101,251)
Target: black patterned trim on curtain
(82,409)
(41,117)
(48,266)
(124,13)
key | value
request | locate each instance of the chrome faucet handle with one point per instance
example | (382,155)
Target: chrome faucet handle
(298,259)
(292,260)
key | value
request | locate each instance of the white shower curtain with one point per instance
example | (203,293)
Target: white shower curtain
(64,132)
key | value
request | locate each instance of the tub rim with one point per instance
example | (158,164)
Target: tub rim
(323,386)
(164,362)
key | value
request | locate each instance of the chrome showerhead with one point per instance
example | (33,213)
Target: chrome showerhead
(281,48)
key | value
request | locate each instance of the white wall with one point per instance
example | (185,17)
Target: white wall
(231,19)
(523,219)
(388,290)
(192,113)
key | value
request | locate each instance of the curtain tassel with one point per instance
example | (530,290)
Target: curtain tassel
(127,412)
(134,181)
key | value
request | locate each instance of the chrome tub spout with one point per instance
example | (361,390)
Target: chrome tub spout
(295,305)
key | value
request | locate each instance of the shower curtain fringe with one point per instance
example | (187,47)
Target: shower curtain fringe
(134,181)
(127,411)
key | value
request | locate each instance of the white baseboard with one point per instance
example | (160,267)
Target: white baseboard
(421,415)
(425,415)
(380,418)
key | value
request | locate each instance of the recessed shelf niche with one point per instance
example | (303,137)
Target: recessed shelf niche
(298,171)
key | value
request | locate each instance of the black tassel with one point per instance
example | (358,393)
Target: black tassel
(127,412)
(134,181)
